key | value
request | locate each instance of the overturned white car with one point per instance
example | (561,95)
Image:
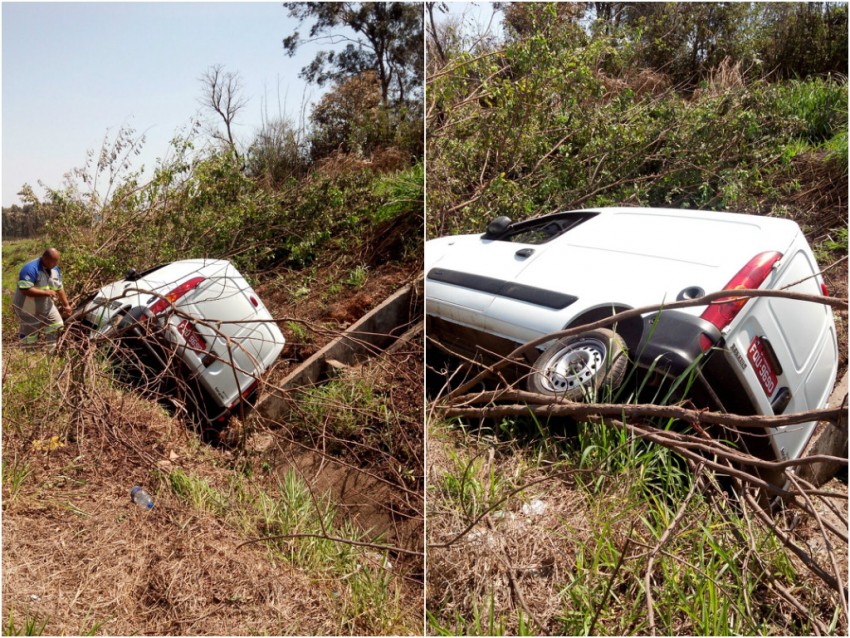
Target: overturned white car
(488,293)
(199,319)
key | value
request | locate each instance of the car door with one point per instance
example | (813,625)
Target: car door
(233,325)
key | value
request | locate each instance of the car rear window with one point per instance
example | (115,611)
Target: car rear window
(542,229)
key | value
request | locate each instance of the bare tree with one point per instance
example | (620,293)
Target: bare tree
(222,95)
(433,35)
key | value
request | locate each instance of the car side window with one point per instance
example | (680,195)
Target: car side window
(540,231)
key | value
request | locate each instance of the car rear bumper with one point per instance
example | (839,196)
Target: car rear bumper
(672,342)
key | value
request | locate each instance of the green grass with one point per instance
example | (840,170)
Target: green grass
(299,526)
(298,333)
(402,193)
(485,621)
(15,474)
(350,410)
(15,254)
(706,581)
(473,484)
(30,626)
(821,105)
(357,277)
(30,392)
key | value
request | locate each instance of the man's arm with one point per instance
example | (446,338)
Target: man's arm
(63,299)
(40,292)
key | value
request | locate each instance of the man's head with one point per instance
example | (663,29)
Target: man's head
(50,258)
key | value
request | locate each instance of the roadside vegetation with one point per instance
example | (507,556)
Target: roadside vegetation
(605,525)
(324,218)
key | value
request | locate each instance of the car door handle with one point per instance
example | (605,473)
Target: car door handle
(522,253)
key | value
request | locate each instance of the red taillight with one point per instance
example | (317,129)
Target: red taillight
(163,302)
(751,276)
(245,393)
(824,290)
(254,301)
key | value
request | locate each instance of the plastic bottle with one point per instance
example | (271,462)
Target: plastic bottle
(141,498)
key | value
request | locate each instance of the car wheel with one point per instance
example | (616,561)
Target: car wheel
(576,367)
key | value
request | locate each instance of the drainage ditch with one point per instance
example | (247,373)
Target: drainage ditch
(385,506)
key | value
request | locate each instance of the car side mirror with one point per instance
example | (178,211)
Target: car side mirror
(499,226)
(131,275)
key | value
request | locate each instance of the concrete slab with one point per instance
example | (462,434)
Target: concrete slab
(830,439)
(379,329)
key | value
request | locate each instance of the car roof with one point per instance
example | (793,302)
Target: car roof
(623,255)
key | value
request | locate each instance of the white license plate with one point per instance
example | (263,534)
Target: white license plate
(761,365)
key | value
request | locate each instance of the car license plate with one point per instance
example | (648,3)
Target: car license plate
(761,365)
(193,339)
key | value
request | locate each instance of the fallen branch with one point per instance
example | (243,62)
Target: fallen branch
(721,296)
(544,405)
(334,539)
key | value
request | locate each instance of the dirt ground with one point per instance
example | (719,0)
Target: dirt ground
(321,310)
(78,556)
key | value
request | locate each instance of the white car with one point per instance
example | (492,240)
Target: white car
(487,294)
(200,313)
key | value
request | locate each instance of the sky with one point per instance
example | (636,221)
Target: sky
(479,19)
(73,73)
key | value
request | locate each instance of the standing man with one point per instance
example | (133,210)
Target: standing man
(39,285)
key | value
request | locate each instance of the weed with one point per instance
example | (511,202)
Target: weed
(95,628)
(403,193)
(356,277)
(300,293)
(15,475)
(299,334)
(836,149)
(333,290)
(349,410)
(197,492)
(838,242)
(31,626)
(473,483)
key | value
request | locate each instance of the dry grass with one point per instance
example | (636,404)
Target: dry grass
(79,557)
(120,571)
(514,562)
(571,553)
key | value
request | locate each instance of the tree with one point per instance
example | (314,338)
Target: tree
(540,18)
(29,220)
(388,41)
(686,40)
(276,153)
(800,39)
(350,119)
(222,95)
(433,34)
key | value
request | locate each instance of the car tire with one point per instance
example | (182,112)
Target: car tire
(577,367)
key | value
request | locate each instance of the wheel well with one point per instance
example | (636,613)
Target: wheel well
(631,330)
